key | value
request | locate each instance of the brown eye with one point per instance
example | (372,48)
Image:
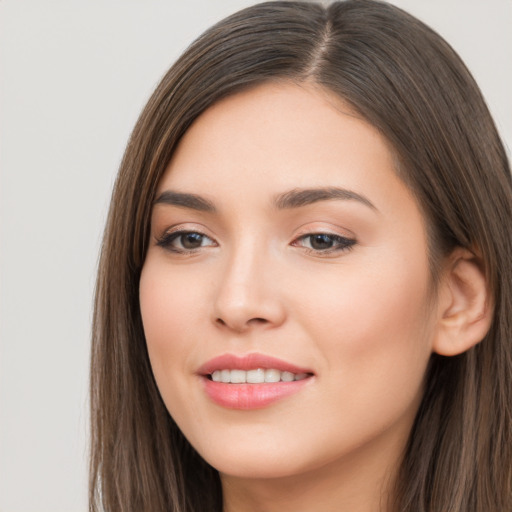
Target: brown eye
(324,243)
(191,240)
(184,241)
(321,242)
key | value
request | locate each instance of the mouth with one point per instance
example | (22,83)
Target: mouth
(253,381)
(256,376)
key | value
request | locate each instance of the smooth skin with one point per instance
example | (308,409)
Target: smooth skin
(355,305)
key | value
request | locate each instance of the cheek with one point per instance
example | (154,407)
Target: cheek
(169,316)
(378,309)
(380,295)
(166,295)
(374,329)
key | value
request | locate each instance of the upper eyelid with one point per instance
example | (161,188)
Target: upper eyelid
(168,231)
(338,250)
(167,238)
(330,231)
(340,246)
(326,233)
(352,240)
(184,227)
(302,231)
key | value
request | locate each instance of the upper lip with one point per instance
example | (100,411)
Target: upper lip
(249,362)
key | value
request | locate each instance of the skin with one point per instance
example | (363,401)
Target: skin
(361,318)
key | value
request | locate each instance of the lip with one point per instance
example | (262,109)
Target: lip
(250,396)
(248,362)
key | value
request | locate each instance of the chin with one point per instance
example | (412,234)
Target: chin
(262,468)
(254,460)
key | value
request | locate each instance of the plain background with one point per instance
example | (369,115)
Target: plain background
(73,78)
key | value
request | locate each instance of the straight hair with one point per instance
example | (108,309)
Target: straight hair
(406,81)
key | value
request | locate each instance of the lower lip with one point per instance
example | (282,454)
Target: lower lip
(251,396)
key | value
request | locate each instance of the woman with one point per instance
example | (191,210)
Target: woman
(304,292)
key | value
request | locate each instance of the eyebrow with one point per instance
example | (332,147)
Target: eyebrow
(295,198)
(185,200)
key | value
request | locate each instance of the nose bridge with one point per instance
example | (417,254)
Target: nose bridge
(246,295)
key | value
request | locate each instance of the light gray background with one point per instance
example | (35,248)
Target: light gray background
(73,78)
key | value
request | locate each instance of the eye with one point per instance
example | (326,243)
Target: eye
(184,241)
(324,242)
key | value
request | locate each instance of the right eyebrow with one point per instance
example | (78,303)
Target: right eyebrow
(180,199)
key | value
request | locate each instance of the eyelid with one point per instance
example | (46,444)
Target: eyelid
(171,233)
(185,227)
(324,228)
(344,240)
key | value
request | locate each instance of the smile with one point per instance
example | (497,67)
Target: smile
(252,381)
(257,376)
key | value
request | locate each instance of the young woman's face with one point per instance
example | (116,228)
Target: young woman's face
(284,248)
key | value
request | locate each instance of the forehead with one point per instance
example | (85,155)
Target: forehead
(280,136)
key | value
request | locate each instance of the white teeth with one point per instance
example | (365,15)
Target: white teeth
(256,376)
(272,375)
(238,376)
(287,377)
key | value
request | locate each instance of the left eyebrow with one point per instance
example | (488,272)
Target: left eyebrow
(297,197)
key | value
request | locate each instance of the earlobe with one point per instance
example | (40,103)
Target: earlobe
(465,305)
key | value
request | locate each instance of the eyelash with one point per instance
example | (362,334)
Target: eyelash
(167,240)
(340,243)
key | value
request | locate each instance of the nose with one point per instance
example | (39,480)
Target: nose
(247,295)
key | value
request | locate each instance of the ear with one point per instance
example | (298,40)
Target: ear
(465,304)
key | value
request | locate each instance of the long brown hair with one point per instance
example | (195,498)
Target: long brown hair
(406,81)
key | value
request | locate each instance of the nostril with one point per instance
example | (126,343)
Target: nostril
(258,320)
(245,325)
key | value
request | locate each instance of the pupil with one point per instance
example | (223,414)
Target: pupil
(321,242)
(192,240)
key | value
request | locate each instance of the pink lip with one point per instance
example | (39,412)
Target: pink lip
(249,396)
(248,362)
